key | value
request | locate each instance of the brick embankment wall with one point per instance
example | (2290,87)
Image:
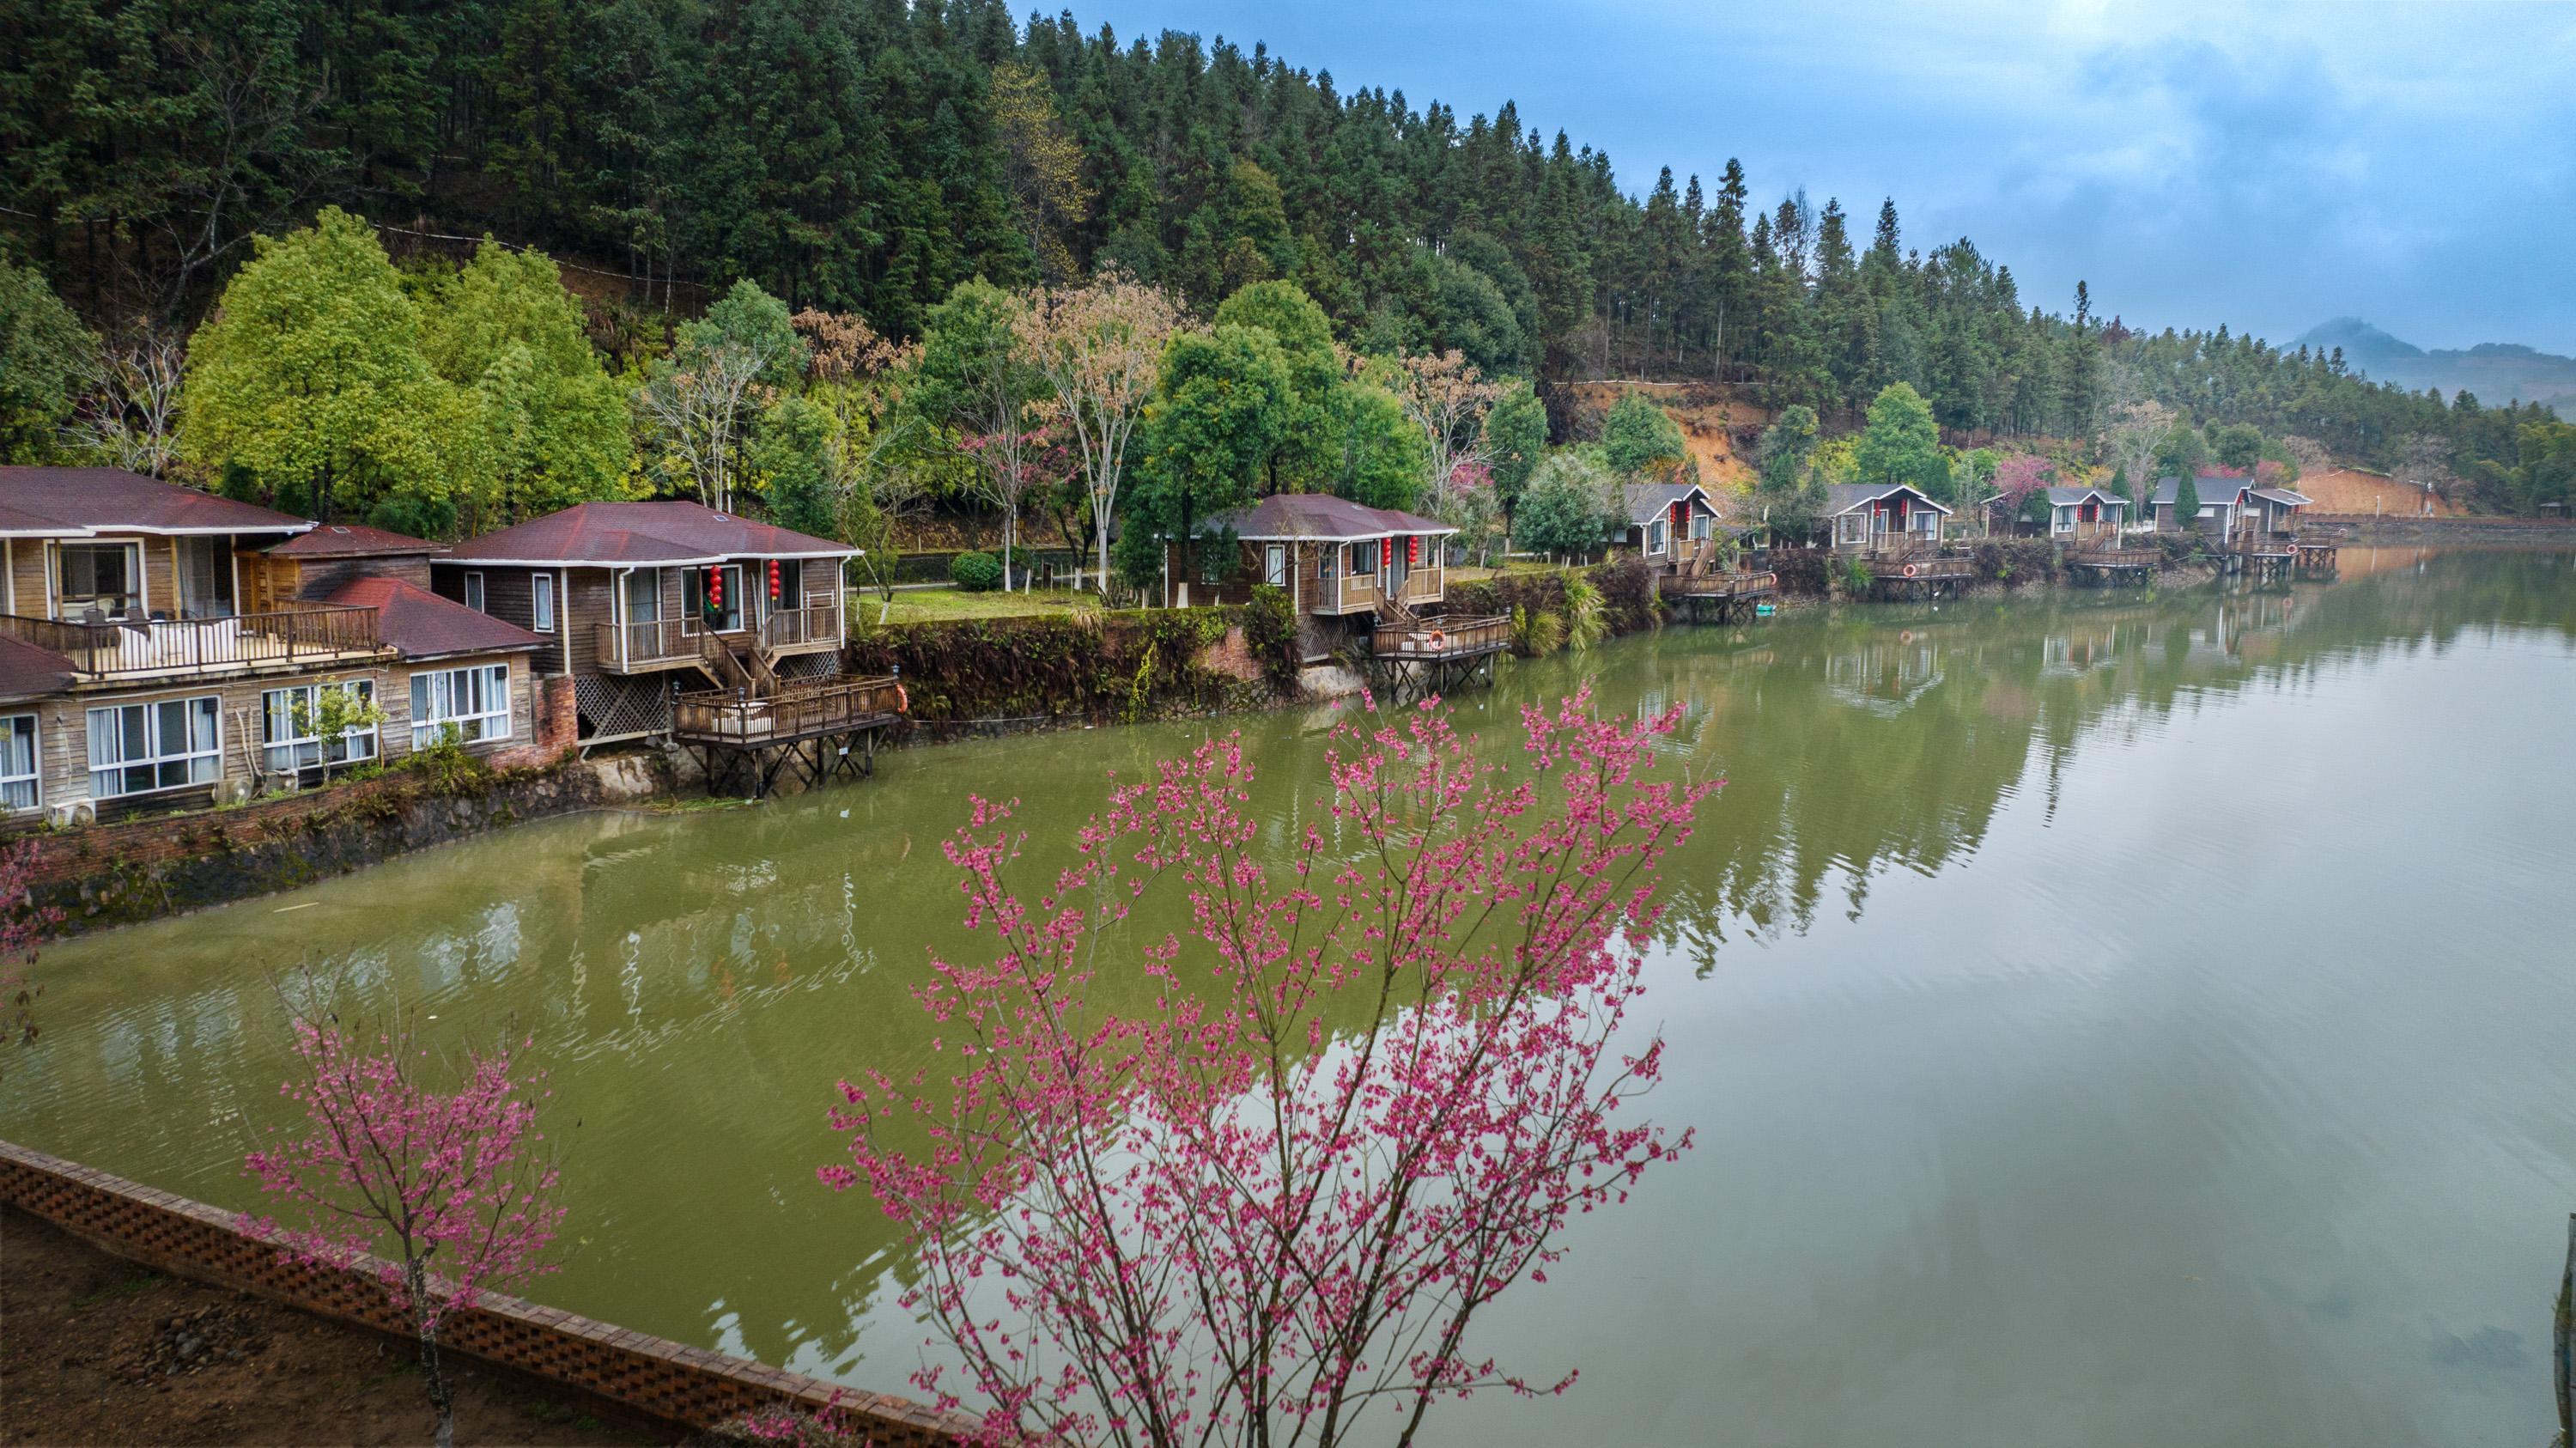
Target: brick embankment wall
(686,1387)
(2365,528)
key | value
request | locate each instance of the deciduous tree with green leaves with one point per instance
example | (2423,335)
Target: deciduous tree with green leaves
(1638,437)
(45,354)
(554,423)
(1564,509)
(1212,425)
(312,378)
(1515,441)
(1901,444)
(977,377)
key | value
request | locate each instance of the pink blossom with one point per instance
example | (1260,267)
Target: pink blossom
(442,1194)
(1374,1079)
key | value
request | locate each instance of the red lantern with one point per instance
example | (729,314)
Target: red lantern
(1412,549)
(773,580)
(715,588)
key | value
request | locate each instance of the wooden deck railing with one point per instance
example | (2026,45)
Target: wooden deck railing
(796,711)
(289,634)
(1443,638)
(1722,585)
(818,622)
(646,644)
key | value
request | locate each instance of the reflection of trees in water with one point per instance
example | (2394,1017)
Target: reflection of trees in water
(1889,738)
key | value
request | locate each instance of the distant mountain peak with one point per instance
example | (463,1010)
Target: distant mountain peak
(2497,372)
(2358,339)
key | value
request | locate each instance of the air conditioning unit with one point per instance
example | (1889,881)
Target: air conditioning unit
(68,816)
(232,791)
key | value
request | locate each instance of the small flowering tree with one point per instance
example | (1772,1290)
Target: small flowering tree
(24,925)
(444,1193)
(1376,1076)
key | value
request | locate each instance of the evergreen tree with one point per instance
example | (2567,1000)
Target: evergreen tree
(1638,437)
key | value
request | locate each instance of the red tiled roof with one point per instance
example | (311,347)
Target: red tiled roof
(613,535)
(1321,515)
(352,540)
(419,624)
(28,672)
(74,500)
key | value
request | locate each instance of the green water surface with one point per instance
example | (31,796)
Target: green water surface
(2107,1020)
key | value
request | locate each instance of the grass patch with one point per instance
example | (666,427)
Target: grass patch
(937,605)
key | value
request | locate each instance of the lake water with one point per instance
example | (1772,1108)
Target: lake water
(2108,1020)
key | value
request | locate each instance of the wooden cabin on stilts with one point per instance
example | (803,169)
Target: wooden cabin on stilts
(1370,584)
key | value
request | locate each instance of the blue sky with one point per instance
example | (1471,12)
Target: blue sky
(2269,166)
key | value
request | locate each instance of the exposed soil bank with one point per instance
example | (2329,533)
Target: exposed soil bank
(96,1349)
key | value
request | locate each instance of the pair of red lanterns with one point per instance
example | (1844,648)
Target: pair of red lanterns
(715,585)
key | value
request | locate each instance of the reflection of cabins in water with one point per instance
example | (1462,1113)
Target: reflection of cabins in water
(1885,676)
(2077,651)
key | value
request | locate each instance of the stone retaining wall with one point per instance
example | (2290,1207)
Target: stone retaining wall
(688,1388)
(154,865)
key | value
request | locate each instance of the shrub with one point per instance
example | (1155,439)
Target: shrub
(975,572)
(1586,623)
(1626,590)
(1801,571)
(1536,634)
(1270,631)
(1857,577)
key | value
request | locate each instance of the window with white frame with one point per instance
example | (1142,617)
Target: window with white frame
(289,724)
(1655,536)
(1274,565)
(541,602)
(168,744)
(2065,516)
(474,591)
(1848,527)
(108,576)
(19,787)
(475,701)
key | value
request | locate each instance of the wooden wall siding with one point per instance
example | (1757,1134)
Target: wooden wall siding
(589,602)
(28,595)
(508,596)
(62,726)
(318,578)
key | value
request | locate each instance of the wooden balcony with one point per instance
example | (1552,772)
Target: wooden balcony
(292,636)
(796,712)
(638,648)
(1437,639)
(815,626)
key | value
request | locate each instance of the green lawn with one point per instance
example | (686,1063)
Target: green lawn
(936,605)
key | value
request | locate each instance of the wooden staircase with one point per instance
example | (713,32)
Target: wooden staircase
(748,672)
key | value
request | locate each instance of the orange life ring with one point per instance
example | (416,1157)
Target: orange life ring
(1909,570)
(1438,638)
(902,700)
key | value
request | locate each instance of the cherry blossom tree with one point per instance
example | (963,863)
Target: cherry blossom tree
(24,925)
(444,1194)
(2017,478)
(1380,1068)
